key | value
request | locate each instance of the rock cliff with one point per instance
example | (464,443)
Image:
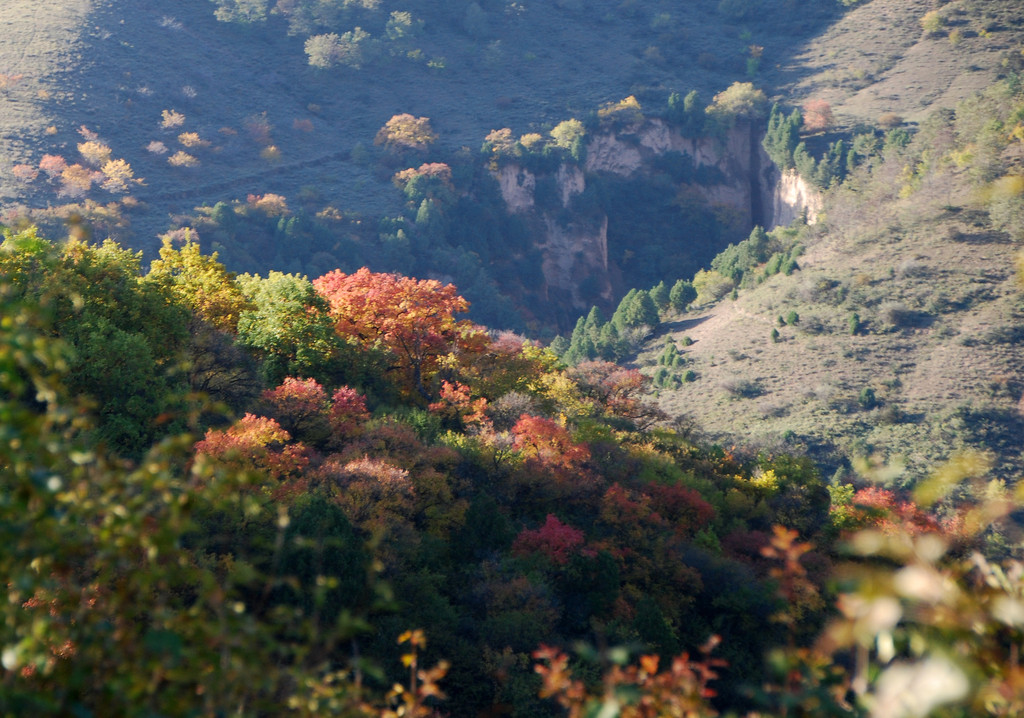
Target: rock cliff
(731,174)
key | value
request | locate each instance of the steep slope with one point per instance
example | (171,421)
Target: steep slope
(900,333)
(115,67)
(886,58)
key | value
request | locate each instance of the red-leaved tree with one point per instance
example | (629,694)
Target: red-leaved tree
(547,444)
(621,392)
(413,318)
(300,405)
(817,115)
(882,509)
(257,444)
(558,541)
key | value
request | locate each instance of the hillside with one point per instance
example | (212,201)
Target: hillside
(196,108)
(897,336)
(261,457)
(115,69)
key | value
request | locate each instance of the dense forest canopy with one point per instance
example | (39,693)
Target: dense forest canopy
(302,485)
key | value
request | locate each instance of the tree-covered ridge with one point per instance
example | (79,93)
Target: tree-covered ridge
(337,494)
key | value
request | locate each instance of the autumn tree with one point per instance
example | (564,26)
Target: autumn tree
(432,180)
(300,406)
(95,153)
(817,115)
(741,100)
(549,446)
(328,50)
(620,392)
(405,132)
(255,444)
(118,174)
(569,135)
(555,540)
(199,280)
(414,319)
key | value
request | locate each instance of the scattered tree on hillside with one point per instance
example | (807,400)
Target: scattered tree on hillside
(94,153)
(782,136)
(402,25)
(688,112)
(738,101)
(817,115)
(681,295)
(76,181)
(348,49)
(118,175)
(52,165)
(171,119)
(569,135)
(242,11)
(405,132)
(431,180)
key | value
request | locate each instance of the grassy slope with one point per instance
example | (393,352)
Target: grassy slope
(951,375)
(115,66)
(944,362)
(878,59)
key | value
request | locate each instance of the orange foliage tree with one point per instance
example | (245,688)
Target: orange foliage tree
(258,444)
(412,318)
(549,447)
(817,115)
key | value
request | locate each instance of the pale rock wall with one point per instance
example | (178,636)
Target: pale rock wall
(794,198)
(572,253)
(608,153)
(571,182)
(733,158)
(751,189)
(517,186)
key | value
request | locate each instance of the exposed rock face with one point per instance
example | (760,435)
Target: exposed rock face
(736,177)
(572,254)
(735,161)
(794,198)
(517,186)
(609,153)
(571,182)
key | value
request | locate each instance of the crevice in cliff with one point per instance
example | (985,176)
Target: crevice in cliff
(758,214)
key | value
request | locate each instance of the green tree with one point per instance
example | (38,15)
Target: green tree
(128,338)
(290,329)
(569,135)
(782,136)
(246,12)
(660,294)
(681,295)
(636,309)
